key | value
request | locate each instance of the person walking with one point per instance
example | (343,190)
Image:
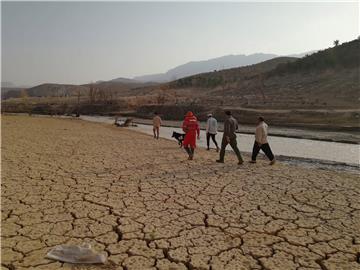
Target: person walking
(156,125)
(261,142)
(211,130)
(191,128)
(229,137)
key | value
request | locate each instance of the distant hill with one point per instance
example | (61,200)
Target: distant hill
(229,76)
(325,79)
(321,89)
(121,80)
(10,92)
(195,67)
(122,87)
(54,90)
(12,85)
(7,85)
(118,86)
(346,55)
(300,55)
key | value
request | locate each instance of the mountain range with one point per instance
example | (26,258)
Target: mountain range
(184,70)
(196,67)
(219,63)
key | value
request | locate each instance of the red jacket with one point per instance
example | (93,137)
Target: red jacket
(191,128)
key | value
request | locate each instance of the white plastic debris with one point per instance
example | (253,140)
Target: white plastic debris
(76,254)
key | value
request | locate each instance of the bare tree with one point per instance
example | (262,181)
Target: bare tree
(92,93)
(336,42)
(24,96)
(78,102)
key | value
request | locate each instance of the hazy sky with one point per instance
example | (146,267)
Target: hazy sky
(79,42)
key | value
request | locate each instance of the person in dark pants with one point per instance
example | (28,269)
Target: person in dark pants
(261,142)
(211,130)
(229,137)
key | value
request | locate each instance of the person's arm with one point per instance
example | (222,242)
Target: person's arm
(198,129)
(263,134)
(184,126)
(216,126)
(258,135)
(207,125)
(227,129)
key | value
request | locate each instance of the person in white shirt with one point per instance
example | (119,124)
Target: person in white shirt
(156,125)
(261,142)
(211,130)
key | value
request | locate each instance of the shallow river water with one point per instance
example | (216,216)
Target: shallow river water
(302,149)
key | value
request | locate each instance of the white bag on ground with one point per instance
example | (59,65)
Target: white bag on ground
(76,254)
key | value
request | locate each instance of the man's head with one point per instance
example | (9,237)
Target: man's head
(189,114)
(260,119)
(228,113)
(210,115)
(155,113)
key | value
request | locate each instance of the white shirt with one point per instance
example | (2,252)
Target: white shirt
(211,125)
(261,133)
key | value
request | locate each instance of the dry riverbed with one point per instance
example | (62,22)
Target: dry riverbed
(140,201)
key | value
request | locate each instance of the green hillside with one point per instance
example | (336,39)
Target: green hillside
(346,55)
(218,78)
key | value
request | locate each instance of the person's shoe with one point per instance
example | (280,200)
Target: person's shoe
(219,161)
(208,148)
(240,162)
(217,149)
(252,161)
(272,162)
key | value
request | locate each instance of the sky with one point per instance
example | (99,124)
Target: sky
(81,42)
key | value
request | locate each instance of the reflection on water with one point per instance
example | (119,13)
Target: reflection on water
(281,146)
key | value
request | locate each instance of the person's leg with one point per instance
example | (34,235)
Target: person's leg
(154,132)
(187,149)
(157,132)
(233,144)
(208,140)
(217,146)
(192,149)
(267,150)
(255,152)
(214,140)
(222,151)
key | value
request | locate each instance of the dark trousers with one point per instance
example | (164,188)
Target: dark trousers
(233,144)
(208,135)
(190,151)
(265,148)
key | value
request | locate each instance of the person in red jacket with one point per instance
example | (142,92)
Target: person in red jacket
(191,128)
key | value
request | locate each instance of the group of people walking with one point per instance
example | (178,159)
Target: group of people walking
(191,128)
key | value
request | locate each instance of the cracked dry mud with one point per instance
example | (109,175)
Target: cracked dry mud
(141,202)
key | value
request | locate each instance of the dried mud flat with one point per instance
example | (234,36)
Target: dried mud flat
(141,202)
